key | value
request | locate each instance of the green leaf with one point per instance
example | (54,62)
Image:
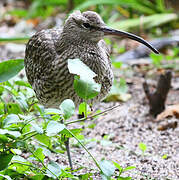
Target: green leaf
(5,160)
(52,111)
(107,168)
(164,156)
(118,166)
(76,66)
(6,177)
(44,139)
(74,131)
(3,138)
(86,89)
(23,83)
(124,178)
(84,84)
(53,128)
(68,108)
(11,119)
(54,168)
(129,168)
(37,128)
(14,108)
(39,154)
(143,147)
(15,134)
(10,68)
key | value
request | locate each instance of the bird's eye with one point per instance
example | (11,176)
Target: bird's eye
(86,25)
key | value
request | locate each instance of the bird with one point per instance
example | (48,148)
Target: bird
(47,53)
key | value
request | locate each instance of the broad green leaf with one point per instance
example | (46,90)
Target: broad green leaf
(44,139)
(76,66)
(86,88)
(21,99)
(39,154)
(10,68)
(14,108)
(74,131)
(11,119)
(53,128)
(20,168)
(52,111)
(68,108)
(6,177)
(18,159)
(5,160)
(13,133)
(3,138)
(54,168)
(107,168)
(84,84)
(37,128)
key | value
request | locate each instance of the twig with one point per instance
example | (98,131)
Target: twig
(89,117)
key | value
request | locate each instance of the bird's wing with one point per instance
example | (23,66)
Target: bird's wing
(40,52)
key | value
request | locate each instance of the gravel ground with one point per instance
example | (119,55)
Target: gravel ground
(126,127)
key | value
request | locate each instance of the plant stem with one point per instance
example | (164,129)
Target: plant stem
(30,136)
(85,149)
(89,117)
(41,162)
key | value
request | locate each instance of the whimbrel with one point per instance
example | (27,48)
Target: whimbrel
(47,53)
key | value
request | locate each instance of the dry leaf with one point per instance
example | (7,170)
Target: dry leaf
(169,112)
(164,127)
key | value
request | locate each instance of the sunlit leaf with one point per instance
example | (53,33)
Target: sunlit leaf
(39,154)
(68,108)
(76,66)
(11,119)
(107,168)
(52,111)
(37,128)
(13,133)
(54,168)
(10,68)
(84,84)
(54,128)
(44,139)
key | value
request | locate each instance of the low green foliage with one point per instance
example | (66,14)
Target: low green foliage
(28,129)
(168,61)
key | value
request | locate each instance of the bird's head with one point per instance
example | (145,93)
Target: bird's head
(89,26)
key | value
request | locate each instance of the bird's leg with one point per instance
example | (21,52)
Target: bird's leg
(68,152)
(67,146)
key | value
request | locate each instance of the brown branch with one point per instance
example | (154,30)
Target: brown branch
(157,99)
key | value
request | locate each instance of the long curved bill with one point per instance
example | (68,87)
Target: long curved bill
(109,31)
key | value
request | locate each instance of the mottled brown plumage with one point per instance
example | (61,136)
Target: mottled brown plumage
(47,53)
